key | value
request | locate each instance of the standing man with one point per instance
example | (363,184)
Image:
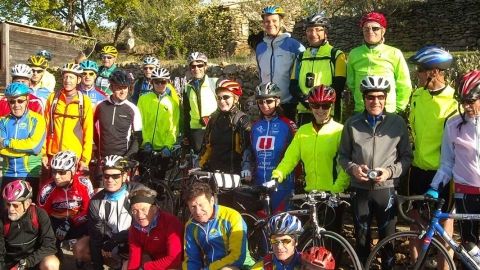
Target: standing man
(39,65)
(109,56)
(88,87)
(321,63)
(48,79)
(276,55)
(144,85)
(376,58)
(200,101)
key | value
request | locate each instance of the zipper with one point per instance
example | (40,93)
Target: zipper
(16,136)
(265,154)
(113,116)
(271,60)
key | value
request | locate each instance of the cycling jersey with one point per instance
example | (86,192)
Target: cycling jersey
(70,126)
(380,60)
(275,59)
(141,86)
(221,242)
(35,104)
(160,119)
(271,262)
(22,144)
(117,128)
(69,203)
(47,81)
(428,116)
(318,152)
(96,94)
(102,80)
(42,94)
(195,106)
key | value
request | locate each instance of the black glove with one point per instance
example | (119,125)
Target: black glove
(109,245)
(62,230)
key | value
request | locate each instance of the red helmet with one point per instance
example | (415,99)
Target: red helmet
(468,86)
(319,257)
(374,17)
(321,94)
(231,86)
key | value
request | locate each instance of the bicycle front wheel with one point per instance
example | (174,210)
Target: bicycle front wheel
(256,236)
(344,254)
(165,198)
(393,252)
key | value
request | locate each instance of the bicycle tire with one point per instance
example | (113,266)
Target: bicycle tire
(165,199)
(256,236)
(400,241)
(345,258)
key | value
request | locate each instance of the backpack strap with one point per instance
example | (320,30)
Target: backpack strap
(52,112)
(32,211)
(268,262)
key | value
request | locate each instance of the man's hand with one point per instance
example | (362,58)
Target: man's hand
(45,162)
(107,248)
(360,172)
(384,175)
(82,166)
(62,230)
(277,175)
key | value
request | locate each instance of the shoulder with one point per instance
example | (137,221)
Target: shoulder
(292,45)
(85,184)
(288,122)
(454,121)
(227,213)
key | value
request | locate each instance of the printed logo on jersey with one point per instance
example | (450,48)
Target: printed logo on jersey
(260,129)
(265,143)
(22,125)
(46,190)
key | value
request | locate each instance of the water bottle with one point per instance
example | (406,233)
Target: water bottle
(474,251)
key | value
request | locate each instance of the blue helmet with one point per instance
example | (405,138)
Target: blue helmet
(89,65)
(431,57)
(271,10)
(285,223)
(17,89)
(45,54)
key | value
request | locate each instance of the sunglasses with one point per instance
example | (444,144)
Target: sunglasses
(224,97)
(90,74)
(284,242)
(107,57)
(115,176)
(61,172)
(148,68)
(372,98)
(37,70)
(19,101)
(159,82)
(15,205)
(265,101)
(317,106)
(374,29)
(197,66)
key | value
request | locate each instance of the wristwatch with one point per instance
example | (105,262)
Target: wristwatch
(22,264)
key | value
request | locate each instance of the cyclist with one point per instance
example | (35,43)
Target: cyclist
(199,102)
(88,87)
(66,200)
(39,65)
(284,230)
(318,258)
(459,157)
(108,215)
(320,63)
(316,144)
(109,55)
(376,58)
(431,106)
(27,240)
(276,55)
(69,118)
(155,237)
(144,85)
(375,151)
(45,54)
(270,137)
(215,235)
(226,144)
(22,135)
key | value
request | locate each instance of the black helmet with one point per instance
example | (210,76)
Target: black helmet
(120,77)
(318,19)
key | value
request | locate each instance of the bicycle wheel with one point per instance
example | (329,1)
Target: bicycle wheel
(399,242)
(343,252)
(165,198)
(256,236)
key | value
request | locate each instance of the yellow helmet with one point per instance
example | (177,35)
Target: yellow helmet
(109,50)
(38,61)
(72,68)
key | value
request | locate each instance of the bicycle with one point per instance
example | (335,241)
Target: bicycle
(431,246)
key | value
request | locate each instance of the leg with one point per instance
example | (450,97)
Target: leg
(50,262)
(385,214)
(468,204)
(362,218)
(81,249)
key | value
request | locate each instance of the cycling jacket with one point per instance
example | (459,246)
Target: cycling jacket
(270,262)
(96,94)
(428,116)
(380,60)
(196,107)
(275,59)
(47,81)
(22,144)
(141,87)
(221,242)
(103,78)
(42,94)
(35,104)
(318,152)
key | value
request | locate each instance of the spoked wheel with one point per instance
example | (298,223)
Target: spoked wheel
(164,196)
(393,252)
(256,237)
(343,252)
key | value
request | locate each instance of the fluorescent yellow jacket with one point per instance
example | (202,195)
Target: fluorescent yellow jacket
(191,105)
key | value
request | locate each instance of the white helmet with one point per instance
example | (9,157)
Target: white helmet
(22,70)
(64,161)
(161,73)
(374,83)
(150,60)
(197,56)
(72,68)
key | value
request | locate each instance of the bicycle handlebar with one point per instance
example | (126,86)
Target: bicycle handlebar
(316,196)
(403,199)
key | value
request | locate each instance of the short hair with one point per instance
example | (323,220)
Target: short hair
(197,189)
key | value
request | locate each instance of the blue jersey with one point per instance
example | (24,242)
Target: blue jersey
(96,94)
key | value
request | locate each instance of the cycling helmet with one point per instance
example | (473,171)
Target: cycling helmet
(89,65)
(150,60)
(285,223)
(115,162)
(120,77)
(319,257)
(109,50)
(16,89)
(374,17)
(197,56)
(266,90)
(22,70)
(17,191)
(64,161)
(271,10)
(45,54)
(321,94)
(431,57)
(468,86)
(72,68)
(318,19)
(37,61)
(160,73)
(374,83)
(232,86)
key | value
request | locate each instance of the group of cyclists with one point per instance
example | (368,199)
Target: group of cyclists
(53,191)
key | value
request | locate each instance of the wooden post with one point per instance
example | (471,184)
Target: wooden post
(5,65)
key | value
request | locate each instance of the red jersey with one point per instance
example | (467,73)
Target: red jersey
(35,104)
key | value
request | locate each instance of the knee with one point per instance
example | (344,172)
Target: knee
(50,262)
(81,249)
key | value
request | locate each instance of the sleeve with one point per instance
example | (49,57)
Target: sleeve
(338,81)
(95,229)
(206,149)
(447,161)
(346,149)
(186,114)
(47,122)
(403,85)
(135,250)
(46,240)
(193,253)
(175,119)
(290,159)
(96,125)
(246,127)
(350,74)
(87,132)
(31,145)
(404,152)
(343,180)
(136,136)
(136,91)
(87,193)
